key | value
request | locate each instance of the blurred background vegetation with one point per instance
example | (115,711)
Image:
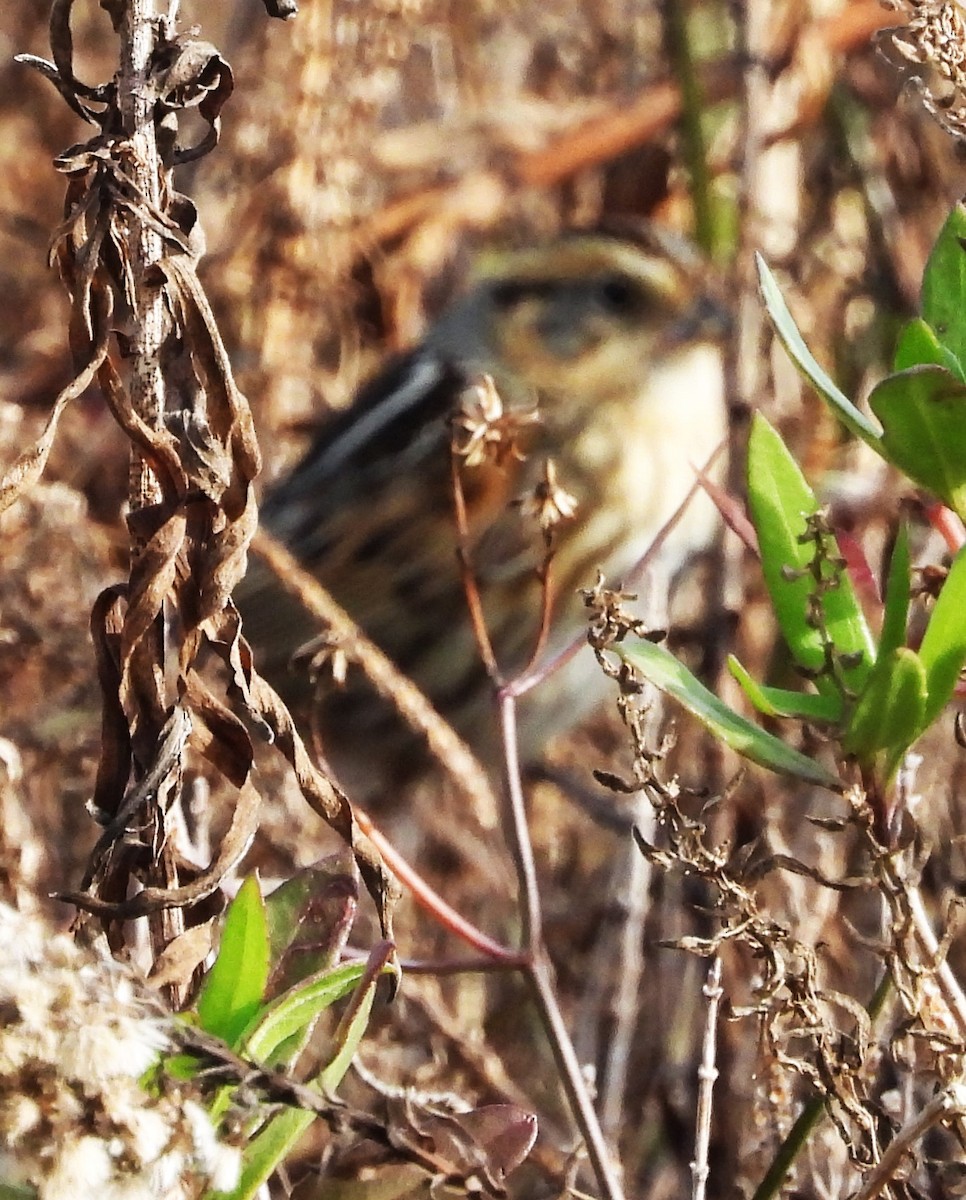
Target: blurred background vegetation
(369,151)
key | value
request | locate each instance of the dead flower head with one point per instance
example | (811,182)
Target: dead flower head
(548,501)
(484,430)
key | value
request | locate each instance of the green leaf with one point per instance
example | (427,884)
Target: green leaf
(778,702)
(780,500)
(850,416)
(923,413)
(235,984)
(944,286)
(349,1038)
(943,649)
(269,1148)
(896,613)
(279,1032)
(663,670)
(17,1191)
(919,346)
(889,713)
(309,917)
(266,1151)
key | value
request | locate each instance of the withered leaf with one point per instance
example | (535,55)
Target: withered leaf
(217,733)
(181,957)
(29,467)
(233,846)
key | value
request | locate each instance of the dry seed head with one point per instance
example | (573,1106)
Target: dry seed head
(484,430)
(935,38)
(76,1035)
(549,502)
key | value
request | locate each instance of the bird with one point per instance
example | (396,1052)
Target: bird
(577,386)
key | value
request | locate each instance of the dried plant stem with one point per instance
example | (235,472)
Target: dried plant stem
(389,682)
(537,968)
(797,1137)
(138,36)
(677,38)
(949,985)
(707,1075)
(949,1103)
(138,31)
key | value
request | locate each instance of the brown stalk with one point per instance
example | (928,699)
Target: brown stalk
(451,751)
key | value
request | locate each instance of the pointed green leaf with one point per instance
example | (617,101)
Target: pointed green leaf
(778,702)
(266,1151)
(896,613)
(780,500)
(850,416)
(919,346)
(349,1039)
(234,986)
(943,649)
(889,713)
(277,1035)
(944,286)
(671,677)
(923,414)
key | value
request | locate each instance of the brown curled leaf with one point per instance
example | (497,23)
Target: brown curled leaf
(326,799)
(158,447)
(62,51)
(152,578)
(232,848)
(205,461)
(191,73)
(217,733)
(227,560)
(178,961)
(229,415)
(114,765)
(164,771)
(29,467)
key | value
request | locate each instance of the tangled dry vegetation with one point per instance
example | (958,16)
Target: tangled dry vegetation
(366,152)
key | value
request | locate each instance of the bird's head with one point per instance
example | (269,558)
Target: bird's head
(588,314)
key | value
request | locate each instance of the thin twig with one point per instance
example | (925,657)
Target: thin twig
(707,1075)
(545,575)
(431,901)
(950,1102)
(530,678)
(538,970)
(521,847)
(387,680)
(949,985)
(474,603)
(571,1077)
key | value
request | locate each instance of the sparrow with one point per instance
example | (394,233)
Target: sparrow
(578,387)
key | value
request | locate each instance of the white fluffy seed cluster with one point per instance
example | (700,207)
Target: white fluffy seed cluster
(76,1035)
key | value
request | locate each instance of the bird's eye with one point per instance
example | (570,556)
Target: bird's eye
(620,295)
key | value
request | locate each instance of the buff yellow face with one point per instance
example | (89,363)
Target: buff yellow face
(588,319)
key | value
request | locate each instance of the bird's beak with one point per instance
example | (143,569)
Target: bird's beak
(707,319)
